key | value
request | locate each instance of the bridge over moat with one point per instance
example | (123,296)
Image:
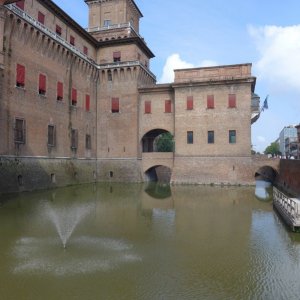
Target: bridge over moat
(207,170)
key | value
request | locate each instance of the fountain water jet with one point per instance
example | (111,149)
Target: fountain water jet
(65,219)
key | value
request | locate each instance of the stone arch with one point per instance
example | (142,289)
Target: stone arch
(266,173)
(149,139)
(158,173)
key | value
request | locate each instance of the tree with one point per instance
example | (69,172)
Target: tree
(273,149)
(164,142)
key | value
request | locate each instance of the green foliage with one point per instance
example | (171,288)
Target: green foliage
(273,149)
(165,143)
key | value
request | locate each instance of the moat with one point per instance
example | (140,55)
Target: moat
(137,241)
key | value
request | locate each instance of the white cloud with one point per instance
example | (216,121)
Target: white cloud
(279,49)
(174,61)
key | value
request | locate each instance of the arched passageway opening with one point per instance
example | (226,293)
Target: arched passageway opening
(158,140)
(266,173)
(161,174)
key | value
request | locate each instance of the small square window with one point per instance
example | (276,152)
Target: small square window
(190,137)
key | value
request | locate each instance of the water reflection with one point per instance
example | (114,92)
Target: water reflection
(197,242)
(263,190)
(158,190)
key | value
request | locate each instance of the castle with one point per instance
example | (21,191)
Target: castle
(81,105)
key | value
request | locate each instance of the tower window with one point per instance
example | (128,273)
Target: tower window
(72,40)
(87,102)
(88,142)
(74,97)
(42,84)
(41,18)
(60,91)
(58,30)
(168,106)
(20,4)
(117,56)
(74,138)
(106,23)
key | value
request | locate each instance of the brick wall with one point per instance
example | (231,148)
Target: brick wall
(289,176)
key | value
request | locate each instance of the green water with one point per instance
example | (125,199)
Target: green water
(132,241)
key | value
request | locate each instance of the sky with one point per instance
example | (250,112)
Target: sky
(196,33)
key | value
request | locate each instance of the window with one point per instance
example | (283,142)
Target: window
(147,107)
(20,131)
(88,142)
(42,84)
(189,103)
(117,56)
(60,91)
(210,137)
(74,138)
(72,40)
(87,102)
(74,97)
(85,50)
(232,136)
(20,4)
(58,30)
(41,17)
(115,105)
(106,23)
(51,135)
(168,106)
(20,80)
(232,101)
(190,137)
(210,102)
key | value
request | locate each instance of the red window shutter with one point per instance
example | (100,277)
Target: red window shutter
(20,4)
(74,96)
(210,101)
(147,107)
(87,102)
(232,101)
(72,40)
(115,105)
(85,50)
(60,90)
(189,103)
(58,30)
(41,17)
(20,80)
(117,54)
(42,84)
(168,106)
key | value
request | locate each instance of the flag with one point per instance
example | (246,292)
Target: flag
(265,106)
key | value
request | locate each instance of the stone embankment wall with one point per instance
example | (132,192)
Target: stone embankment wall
(289,176)
(18,174)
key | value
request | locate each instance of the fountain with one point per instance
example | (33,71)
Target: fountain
(66,219)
